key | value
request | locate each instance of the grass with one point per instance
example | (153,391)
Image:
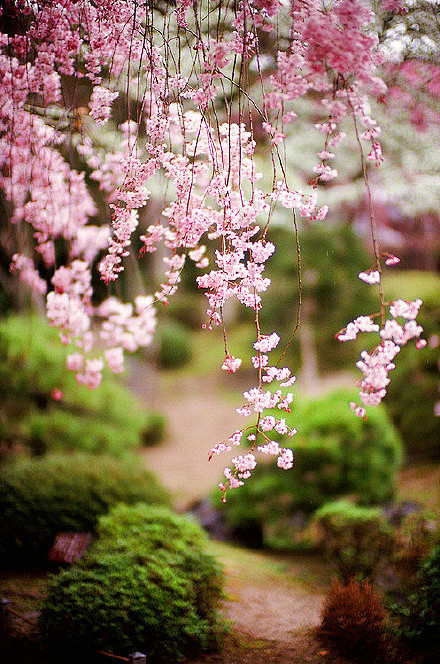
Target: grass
(420,483)
(211,348)
(412,284)
(266,568)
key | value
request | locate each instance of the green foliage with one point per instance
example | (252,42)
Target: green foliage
(370,450)
(175,345)
(413,390)
(32,364)
(154,429)
(420,617)
(41,497)
(356,539)
(354,619)
(336,454)
(187,309)
(146,584)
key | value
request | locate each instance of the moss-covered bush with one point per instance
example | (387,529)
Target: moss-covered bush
(44,496)
(356,539)
(336,455)
(32,364)
(146,584)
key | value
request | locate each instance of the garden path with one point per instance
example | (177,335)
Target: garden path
(273,613)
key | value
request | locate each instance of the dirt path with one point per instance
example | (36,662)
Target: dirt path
(273,604)
(199,416)
(274,610)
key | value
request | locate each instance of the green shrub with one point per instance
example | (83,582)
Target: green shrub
(154,429)
(420,616)
(355,539)
(336,454)
(146,584)
(175,345)
(32,364)
(354,619)
(44,496)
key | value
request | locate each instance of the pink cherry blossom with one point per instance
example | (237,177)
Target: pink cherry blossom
(371,277)
(176,133)
(231,363)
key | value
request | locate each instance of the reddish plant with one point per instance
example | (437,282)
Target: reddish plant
(354,618)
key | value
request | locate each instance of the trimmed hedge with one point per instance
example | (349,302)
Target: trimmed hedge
(44,496)
(175,345)
(336,454)
(356,539)
(32,364)
(146,584)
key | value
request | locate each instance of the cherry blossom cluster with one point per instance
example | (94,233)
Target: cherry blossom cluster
(335,54)
(394,332)
(258,401)
(45,193)
(204,155)
(123,326)
(25,267)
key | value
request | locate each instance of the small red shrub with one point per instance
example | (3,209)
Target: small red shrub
(354,618)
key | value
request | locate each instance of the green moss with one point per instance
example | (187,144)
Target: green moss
(146,584)
(336,454)
(44,496)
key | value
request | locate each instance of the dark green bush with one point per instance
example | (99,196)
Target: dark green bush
(336,454)
(420,616)
(32,364)
(44,496)
(356,539)
(175,345)
(146,584)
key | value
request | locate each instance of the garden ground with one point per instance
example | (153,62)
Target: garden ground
(274,604)
(273,601)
